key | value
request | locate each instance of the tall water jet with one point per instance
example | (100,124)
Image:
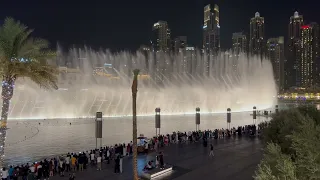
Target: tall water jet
(92,81)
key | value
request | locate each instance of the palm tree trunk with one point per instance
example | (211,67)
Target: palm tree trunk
(7,93)
(134,124)
(134,134)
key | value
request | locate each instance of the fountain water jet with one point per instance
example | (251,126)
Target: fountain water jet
(100,81)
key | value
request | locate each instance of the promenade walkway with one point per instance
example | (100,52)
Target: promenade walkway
(235,158)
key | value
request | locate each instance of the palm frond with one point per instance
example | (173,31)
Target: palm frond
(23,56)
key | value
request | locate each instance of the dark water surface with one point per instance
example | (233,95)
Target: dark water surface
(29,141)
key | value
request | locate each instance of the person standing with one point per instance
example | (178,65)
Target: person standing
(117,165)
(120,163)
(92,158)
(67,160)
(211,151)
(73,163)
(161,160)
(5,174)
(99,159)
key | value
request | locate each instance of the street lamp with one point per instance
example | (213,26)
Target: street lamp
(228,118)
(254,114)
(157,121)
(197,118)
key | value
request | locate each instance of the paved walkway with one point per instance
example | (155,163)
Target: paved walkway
(235,158)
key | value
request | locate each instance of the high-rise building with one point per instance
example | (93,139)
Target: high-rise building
(292,66)
(308,72)
(145,50)
(211,29)
(211,35)
(161,40)
(191,56)
(180,43)
(275,53)
(257,41)
(239,43)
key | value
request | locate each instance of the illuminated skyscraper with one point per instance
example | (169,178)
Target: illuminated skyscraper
(161,40)
(292,66)
(308,72)
(275,52)
(211,34)
(239,43)
(257,42)
(211,29)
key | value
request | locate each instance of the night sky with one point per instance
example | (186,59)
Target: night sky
(126,24)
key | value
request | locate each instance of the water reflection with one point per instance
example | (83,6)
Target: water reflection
(58,136)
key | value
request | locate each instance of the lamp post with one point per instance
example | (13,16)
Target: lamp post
(197,118)
(98,128)
(157,121)
(254,114)
(228,118)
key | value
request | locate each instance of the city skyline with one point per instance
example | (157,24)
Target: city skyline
(102,25)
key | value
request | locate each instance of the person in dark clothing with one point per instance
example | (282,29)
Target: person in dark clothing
(31,176)
(117,165)
(81,162)
(161,160)
(211,151)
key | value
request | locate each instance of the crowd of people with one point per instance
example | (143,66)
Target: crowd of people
(73,162)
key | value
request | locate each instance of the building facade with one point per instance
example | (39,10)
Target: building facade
(292,65)
(257,40)
(211,29)
(275,53)
(180,43)
(211,35)
(161,39)
(239,43)
(308,70)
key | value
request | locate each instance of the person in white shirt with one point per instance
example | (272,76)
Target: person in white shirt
(67,160)
(32,168)
(92,158)
(99,163)
(146,147)
(5,173)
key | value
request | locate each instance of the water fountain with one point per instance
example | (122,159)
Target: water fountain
(92,81)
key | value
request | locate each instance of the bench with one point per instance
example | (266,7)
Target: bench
(156,172)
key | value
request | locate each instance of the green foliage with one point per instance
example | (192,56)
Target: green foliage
(293,147)
(15,45)
(280,126)
(136,72)
(285,123)
(275,165)
(306,144)
(310,111)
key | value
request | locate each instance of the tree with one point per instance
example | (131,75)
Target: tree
(21,56)
(275,165)
(134,89)
(295,154)
(285,123)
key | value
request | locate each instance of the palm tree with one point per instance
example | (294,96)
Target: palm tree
(21,56)
(134,89)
